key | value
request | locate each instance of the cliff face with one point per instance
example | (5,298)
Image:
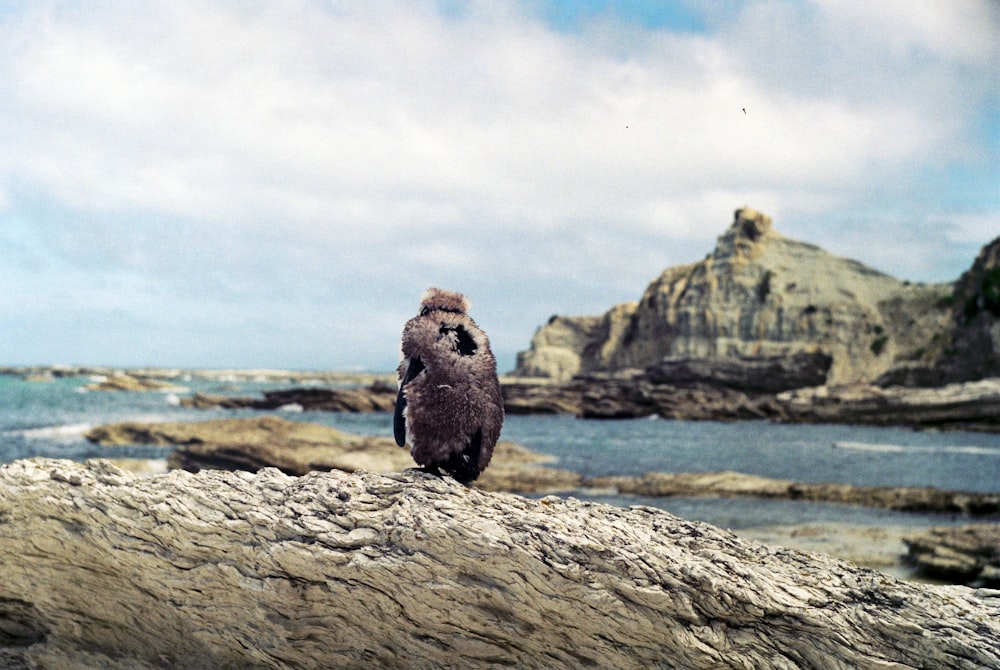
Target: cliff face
(970,348)
(975,350)
(757,294)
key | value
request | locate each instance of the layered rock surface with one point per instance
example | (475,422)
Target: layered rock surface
(628,394)
(297,448)
(966,554)
(231,569)
(757,294)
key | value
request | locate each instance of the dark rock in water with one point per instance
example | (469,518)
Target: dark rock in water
(964,406)
(539,398)
(965,555)
(233,569)
(378,397)
(760,374)
(922,499)
(967,406)
(617,397)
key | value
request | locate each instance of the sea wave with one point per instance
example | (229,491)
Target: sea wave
(63,433)
(900,449)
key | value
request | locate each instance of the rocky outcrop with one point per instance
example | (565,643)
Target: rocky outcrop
(969,348)
(631,394)
(965,406)
(738,484)
(233,569)
(297,448)
(762,374)
(556,349)
(378,397)
(757,294)
(540,397)
(966,554)
(125,382)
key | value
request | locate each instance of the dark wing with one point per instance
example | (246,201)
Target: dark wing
(398,418)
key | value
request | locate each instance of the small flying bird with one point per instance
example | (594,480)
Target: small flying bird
(744,111)
(449,404)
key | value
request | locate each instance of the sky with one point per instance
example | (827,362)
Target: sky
(274,184)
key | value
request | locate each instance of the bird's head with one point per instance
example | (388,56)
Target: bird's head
(439,300)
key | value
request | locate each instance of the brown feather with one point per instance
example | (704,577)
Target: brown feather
(452,408)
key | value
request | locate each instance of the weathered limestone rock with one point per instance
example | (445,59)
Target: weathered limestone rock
(966,555)
(738,484)
(297,448)
(233,569)
(557,348)
(759,294)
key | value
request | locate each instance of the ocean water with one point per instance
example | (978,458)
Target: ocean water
(50,419)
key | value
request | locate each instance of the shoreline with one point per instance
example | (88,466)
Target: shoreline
(969,406)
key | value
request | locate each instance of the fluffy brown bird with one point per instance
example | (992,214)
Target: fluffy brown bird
(449,405)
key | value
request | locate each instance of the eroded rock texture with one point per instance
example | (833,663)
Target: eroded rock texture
(232,569)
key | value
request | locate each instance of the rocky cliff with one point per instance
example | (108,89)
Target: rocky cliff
(969,348)
(758,294)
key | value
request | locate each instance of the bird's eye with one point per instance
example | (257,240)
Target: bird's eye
(424,311)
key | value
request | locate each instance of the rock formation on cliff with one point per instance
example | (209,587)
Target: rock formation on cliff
(969,348)
(757,294)
(102,569)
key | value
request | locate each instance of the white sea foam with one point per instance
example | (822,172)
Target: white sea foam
(291,407)
(65,433)
(173,399)
(898,449)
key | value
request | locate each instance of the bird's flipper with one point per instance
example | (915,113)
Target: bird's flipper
(414,368)
(399,418)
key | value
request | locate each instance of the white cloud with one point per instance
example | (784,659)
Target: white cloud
(276,148)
